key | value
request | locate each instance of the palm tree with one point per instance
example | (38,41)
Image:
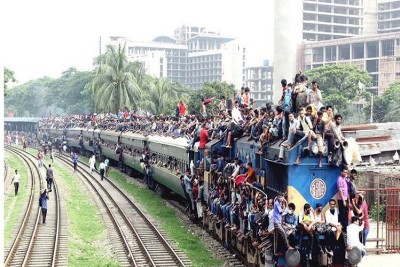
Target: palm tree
(117,82)
(158,92)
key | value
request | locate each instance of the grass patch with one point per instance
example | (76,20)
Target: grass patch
(13,204)
(188,242)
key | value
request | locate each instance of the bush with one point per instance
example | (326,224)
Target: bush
(374,212)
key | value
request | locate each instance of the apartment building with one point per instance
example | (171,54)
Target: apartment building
(260,79)
(388,16)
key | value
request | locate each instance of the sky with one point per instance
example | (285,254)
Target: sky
(44,38)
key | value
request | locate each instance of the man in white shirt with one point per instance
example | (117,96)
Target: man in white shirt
(353,234)
(236,115)
(332,219)
(15,179)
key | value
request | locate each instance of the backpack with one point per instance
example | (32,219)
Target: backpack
(287,100)
(40,201)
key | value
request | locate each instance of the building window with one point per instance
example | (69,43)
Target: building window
(372,65)
(344,52)
(372,49)
(330,53)
(388,48)
(358,51)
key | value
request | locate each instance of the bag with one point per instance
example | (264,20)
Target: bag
(40,201)
(287,101)
(337,157)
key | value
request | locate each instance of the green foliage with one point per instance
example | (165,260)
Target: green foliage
(374,211)
(213,89)
(117,82)
(8,77)
(28,99)
(386,107)
(339,84)
(70,93)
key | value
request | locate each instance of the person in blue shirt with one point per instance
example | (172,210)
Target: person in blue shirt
(43,204)
(289,222)
(279,207)
(75,160)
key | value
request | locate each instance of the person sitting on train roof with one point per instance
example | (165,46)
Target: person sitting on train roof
(328,119)
(293,124)
(303,128)
(318,133)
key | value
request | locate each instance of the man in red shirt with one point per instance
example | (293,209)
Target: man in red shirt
(182,108)
(203,140)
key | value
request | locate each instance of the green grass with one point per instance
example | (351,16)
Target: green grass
(87,241)
(11,201)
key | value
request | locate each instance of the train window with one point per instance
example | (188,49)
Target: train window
(276,179)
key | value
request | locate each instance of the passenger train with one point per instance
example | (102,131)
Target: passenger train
(302,183)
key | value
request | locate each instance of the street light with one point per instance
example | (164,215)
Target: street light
(361,86)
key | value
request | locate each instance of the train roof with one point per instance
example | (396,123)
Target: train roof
(167,140)
(108,132)
(22,119)
(134,136)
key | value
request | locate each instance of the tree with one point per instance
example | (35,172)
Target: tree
(70,93)
(386,107)
(339,84)
(214,89)
(28,99)
(8,77)
(157,92)
(116,82)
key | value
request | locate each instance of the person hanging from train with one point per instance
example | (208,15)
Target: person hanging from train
(188,181)
(289,223)
(306,227)
(343,196)
(332,219)
(280,204)
(352,233)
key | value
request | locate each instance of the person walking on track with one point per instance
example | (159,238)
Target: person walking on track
(92,164)
(15,179)
(102,169)
(43,204)
(75,161)
(49,177)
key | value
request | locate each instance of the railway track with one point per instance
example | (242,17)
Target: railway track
(36,244)
(142,243)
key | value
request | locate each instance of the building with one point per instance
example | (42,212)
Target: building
(378,54)
(388,16)
(339,31)
(194,56)
(260,79)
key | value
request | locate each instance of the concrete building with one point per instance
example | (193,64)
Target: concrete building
(332,19)
(194,56)
(388,16)
(260,80)
(379,55)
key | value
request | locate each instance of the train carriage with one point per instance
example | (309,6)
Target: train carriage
(167,149)
(136,142)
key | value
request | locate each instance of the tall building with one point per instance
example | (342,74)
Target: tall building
(388,16)
(193,56)
(379,55)
(260,79)
(332,19)
(340,32)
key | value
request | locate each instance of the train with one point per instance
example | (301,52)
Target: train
(302,183)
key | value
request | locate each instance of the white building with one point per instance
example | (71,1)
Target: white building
(260,79)
(388,16)
(196,55)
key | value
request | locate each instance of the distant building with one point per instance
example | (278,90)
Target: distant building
(388,16)
(379,55)
(260,79)
(194,55)
(339,32)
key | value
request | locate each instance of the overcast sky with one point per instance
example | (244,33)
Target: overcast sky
(44,38)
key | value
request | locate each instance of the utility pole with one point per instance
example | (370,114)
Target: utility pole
(372,109)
